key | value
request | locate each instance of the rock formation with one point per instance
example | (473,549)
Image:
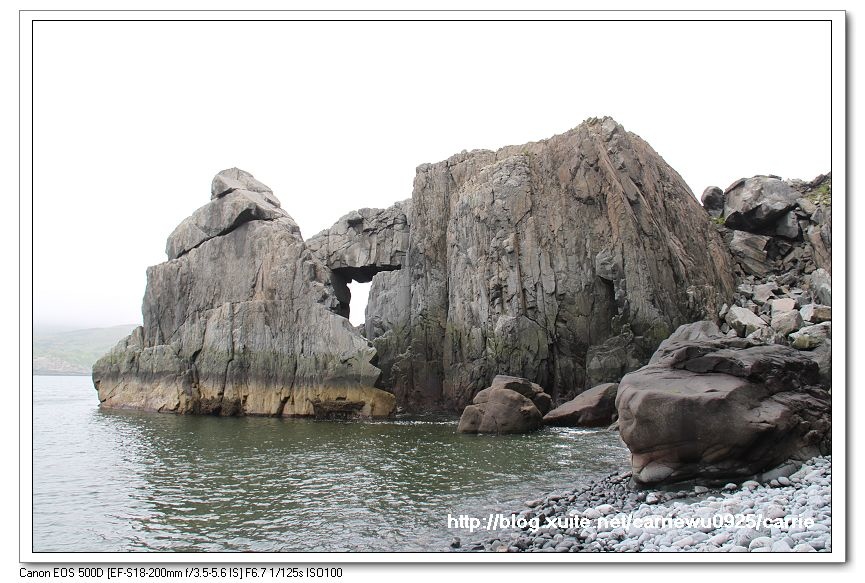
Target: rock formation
(727,403)
(508,405)
(721,408)
(593,408)
(564,261)
(362,244)
(371,245)
(783,264)
(777,227)
(240,320)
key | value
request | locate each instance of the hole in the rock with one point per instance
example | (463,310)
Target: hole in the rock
(359,296)
(351,286)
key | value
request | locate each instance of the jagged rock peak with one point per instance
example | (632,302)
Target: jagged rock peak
(236,198)
(236,179)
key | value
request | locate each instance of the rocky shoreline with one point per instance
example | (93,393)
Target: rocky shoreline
(573,281)
(785,514)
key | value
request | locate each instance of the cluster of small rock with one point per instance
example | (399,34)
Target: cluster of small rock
(780,235)
(766,370)
(774,313)
(803,495)
(517,405)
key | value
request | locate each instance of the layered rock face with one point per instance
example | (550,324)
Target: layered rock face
(721,408)
(540,260)
(241,320)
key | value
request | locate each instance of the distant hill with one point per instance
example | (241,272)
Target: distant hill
(74,352)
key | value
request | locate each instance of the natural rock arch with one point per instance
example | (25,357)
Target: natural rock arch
(360,245)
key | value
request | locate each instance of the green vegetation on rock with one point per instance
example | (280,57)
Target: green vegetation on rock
(822,195)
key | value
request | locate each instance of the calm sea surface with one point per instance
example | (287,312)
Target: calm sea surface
(121,481)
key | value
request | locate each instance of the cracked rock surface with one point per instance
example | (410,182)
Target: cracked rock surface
(564,261)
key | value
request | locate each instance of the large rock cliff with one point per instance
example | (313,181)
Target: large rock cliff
(564,261)
(241,320)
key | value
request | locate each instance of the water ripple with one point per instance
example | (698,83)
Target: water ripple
(125,481)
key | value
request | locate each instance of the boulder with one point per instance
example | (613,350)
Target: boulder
(749,250)
(811,337)
(764,292)
(506,406)
(593,408)
(816,313)
(233,179)
(788,225)
(756,203)
(808,207)
(526,388)
(821,286)
(767,335)
(787,322)
(722,409)
(782,305)
(822,355)
(702,330)
(225,214)
(743,320)
(713,201)
(820,240)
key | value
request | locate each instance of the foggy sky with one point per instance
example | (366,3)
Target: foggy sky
(132,120)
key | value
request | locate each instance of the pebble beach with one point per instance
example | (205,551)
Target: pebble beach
(786,514)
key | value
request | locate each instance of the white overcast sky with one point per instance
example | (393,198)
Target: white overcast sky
(132,120)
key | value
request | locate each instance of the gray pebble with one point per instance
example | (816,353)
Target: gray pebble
(804,494)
